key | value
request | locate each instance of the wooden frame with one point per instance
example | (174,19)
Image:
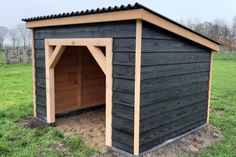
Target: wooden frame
(33,72)
(138,44)
(52,57)
(209,88)
(133,14)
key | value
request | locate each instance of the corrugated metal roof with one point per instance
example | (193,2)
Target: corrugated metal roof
(85,12)
(110,9)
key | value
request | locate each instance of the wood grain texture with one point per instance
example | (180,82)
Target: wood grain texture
(50,85)
(174,86)
(33,72)
(209,88)
(137,83)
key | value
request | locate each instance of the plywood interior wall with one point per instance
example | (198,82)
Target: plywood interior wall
(79,81)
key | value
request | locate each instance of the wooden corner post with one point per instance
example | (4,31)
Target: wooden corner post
(209,87)
(50,86)
(138,44)
(33,71)
(109,55)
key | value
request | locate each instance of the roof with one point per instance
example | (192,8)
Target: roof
(137,9)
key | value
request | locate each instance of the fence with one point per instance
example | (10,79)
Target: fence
(11,56)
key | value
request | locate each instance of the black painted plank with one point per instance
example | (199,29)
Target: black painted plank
(40,108)
(41,116)
(124,85)
(122,146)
(125,72)
(40,63)
(123,98)
(177,133)
(163,107)
(160,45)
(125,125)
(173,93)
(124,111)
(41,100)
(149,59)
(41,91)
(111,29)
(122,137)
(40,73)
(169,128)
(151,72)
(124,59)
(39,54)
(39,45)
(169,81)
(163,39)
(167,117)
(124,45)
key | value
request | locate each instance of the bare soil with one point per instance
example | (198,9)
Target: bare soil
(188,145)
(32,123)
(90,125)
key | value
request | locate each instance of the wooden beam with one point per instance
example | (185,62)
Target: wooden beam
(80,42)
(93,18)
(50,84)
(127,15)
(33,72)
(109,93)
(209,88)
(138,44)
(56,55)
(98,56)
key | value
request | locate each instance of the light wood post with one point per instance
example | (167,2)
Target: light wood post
(109,93)
(137,85)
(209,87)
(50,84)
(33,71)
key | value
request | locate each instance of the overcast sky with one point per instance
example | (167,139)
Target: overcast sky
(12,11)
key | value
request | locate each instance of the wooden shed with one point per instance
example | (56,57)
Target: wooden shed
(152,74)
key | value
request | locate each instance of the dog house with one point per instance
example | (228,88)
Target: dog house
(152,74)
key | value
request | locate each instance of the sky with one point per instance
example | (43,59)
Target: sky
(12,11)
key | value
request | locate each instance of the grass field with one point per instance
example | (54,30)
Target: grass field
(16,103)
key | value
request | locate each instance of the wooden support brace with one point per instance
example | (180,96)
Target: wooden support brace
(98,56)
(56,55)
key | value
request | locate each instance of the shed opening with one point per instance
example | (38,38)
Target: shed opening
(79,81)
(79,76)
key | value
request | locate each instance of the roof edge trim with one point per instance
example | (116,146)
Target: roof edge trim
(123,15)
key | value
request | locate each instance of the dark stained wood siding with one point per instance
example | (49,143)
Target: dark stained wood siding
(174,86)
(123,34)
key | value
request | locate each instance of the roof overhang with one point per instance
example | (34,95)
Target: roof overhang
(133,14)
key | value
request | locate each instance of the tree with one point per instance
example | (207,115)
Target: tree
(23,34)
(14,37)
(3,35)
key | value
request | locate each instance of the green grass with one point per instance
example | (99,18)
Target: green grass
(223,103)
(16,103)
(2,58)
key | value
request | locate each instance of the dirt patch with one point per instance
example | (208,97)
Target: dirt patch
(90,125)
(32,123)
(188,145)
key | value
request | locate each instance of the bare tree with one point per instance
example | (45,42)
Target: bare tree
(3,35)
(14,37)
(23,33)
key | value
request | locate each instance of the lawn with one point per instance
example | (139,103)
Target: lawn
(16,103)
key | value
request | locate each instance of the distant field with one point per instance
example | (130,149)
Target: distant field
(16,103)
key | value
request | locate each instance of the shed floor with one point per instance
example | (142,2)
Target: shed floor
(90,125)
